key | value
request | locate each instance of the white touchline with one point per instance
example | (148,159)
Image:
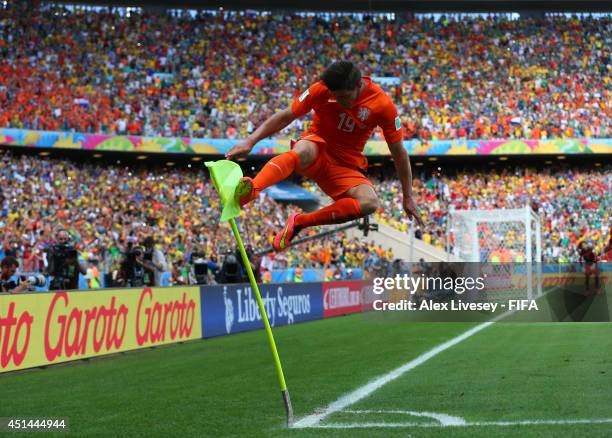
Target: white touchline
(467,424)
(362,392)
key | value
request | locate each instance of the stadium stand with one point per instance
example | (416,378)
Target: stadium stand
(105,207)
(103,71)
(573,204)
(144,74)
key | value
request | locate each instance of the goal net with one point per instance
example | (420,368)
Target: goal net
(504,244)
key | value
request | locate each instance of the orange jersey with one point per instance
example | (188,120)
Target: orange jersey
(346,130)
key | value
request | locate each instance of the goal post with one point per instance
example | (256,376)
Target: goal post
(508,241)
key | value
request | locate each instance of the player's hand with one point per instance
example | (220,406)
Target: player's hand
(412,210)
(23,287)
(242,149)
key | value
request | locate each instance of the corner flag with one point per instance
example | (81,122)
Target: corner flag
(225,175)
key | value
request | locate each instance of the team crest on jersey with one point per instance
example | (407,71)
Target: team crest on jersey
(363,113)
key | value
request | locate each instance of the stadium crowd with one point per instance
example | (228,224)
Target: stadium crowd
(219,75)
(573,205)
(109,208)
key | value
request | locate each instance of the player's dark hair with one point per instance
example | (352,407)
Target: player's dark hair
(9,261)
(341,75)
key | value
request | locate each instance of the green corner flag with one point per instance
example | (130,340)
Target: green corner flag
(225,176)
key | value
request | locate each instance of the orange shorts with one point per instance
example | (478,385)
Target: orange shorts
(331,175)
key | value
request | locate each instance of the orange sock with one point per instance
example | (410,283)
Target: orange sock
(340,211)
(275,170)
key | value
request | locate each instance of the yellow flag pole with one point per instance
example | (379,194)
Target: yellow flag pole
(264,316)
(227,198)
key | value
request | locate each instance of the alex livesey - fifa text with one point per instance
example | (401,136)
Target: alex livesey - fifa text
(454,305)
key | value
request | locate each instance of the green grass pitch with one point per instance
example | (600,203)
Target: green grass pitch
(512,372)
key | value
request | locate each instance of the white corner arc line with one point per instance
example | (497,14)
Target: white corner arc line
(362,392)
(444,419)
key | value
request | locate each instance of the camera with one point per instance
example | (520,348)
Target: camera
(200,268)
(365,226)
(34,280)
(63,266)
(231,271)
(63,251)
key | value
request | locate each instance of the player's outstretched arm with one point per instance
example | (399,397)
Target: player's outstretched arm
(402,167)
(272,125)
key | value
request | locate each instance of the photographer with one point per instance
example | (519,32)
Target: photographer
(181,272)
(64,265)
(255,262)
(9,282)
(154,260)
(134,272)
(231,269)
